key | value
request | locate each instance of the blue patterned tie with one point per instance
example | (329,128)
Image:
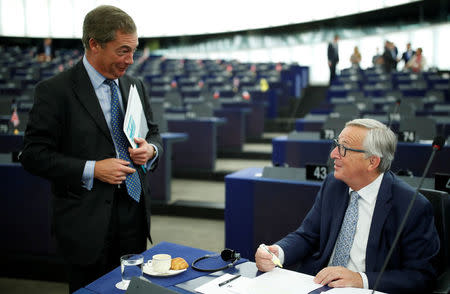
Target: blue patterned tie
(132,182)
(345,239)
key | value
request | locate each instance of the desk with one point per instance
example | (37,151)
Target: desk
(106,283)
(25,213)
(254,122)
(411,156)
(160,179)
(199,151)
(231,135)
(260,210)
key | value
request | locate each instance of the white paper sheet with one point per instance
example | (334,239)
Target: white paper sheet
(282,281)
(237,286)
(135,123)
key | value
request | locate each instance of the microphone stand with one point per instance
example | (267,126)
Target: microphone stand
(437,145)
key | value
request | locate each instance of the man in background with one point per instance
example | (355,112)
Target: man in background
(46,51)
(347,234)
(75,139)
(333,57)
(406,56)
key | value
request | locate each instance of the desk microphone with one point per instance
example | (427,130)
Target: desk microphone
(438,142)
(397,106)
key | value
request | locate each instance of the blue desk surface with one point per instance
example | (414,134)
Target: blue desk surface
(106,283)
(411,156)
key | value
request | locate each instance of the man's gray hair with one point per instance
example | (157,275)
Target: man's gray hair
(380,141)
(102,22)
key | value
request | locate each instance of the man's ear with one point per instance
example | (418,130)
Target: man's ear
(374,162)
(94,46)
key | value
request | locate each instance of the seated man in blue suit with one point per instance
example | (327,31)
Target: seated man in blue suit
(346,236)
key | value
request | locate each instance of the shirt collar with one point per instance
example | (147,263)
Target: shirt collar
(96,78)
(370,192)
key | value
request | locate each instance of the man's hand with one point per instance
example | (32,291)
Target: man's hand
(112,170)
(339,277)
(263,258)
(143,153)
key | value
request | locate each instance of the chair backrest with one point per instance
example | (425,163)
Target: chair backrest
(158,115)
(335,123)
(347,110)
(440,201)
(203,109)
(173,98)
(424,127)
(284,173)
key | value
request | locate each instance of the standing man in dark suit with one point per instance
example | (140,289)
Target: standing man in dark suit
(389,63)
(406,56)
(333,57)
(347,234)
(46,51)
(101,203)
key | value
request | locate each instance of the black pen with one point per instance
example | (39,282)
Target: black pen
(229,280)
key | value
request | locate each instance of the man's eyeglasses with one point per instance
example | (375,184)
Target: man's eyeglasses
(343,150)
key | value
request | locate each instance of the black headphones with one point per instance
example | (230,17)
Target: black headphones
(227,255)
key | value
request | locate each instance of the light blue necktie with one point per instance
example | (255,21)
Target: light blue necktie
(346,235)
(132,181)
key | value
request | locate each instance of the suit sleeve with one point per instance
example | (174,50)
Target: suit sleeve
(42,152)
(412,258)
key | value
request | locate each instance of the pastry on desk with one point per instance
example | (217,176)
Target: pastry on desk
(178,263)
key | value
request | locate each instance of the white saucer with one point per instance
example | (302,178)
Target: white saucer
(148,269)
(122,285)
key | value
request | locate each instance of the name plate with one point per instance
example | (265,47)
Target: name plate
(316,172)
(407,136)
(327,134)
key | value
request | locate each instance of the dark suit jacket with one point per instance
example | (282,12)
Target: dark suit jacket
(332,54)
(405,56)
(409,269)
(67,127)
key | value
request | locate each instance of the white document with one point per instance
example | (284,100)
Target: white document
(135,123)
(237,286)
(283,281)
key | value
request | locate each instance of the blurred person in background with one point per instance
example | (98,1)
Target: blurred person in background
(406,56)
(417,62)
(355,58)
(333,57)
(46,52)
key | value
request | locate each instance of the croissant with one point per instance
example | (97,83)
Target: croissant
(178,263)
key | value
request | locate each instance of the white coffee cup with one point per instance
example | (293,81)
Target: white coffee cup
(161,263)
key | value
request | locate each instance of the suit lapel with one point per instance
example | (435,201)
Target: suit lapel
(382,209)
(85,93)
(124,84)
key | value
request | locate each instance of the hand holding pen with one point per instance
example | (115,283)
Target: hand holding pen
(262,262)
